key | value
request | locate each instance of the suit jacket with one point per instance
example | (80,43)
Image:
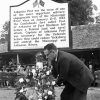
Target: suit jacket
(72,70)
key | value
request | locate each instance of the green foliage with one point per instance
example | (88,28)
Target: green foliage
(80,11)
(6,26)
(5,32)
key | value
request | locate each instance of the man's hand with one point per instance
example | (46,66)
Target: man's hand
(59,81)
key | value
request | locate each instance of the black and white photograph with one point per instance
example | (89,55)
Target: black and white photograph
(49,50)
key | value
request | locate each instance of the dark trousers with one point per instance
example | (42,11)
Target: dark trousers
(72,93)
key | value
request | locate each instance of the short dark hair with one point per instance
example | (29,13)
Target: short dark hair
(50,46)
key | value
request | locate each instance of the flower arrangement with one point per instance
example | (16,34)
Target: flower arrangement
(42,81)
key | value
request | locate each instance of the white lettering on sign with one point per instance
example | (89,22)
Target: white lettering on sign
(34,27)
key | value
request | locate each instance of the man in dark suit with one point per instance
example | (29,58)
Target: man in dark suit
(70,71)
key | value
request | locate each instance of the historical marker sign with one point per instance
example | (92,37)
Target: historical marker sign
(35,23)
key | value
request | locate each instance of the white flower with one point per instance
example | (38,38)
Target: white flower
(39,74)
(26,89)
(33,67)
(27,80)
(39,83)
(46,97)
(21,80)
(40,99)
(49,92)
(34,72)
(21,90)
(48,83)
(39,65)
(45,91)
(48,73)
(53,82)
(36,88)
(43,76)
(40,94)
(45,66)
